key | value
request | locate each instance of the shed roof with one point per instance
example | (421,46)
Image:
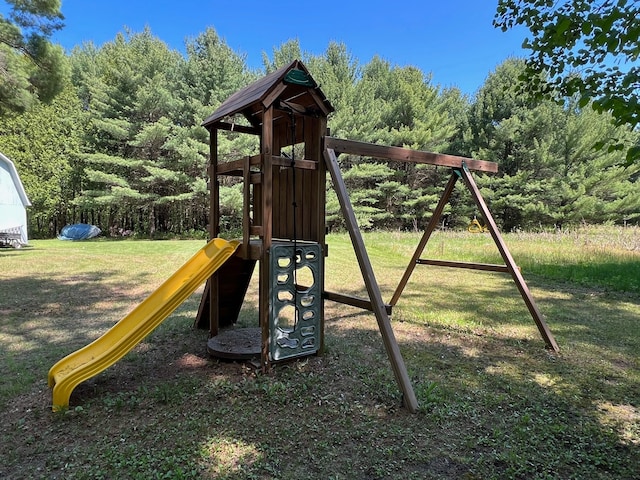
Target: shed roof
(17,184)
(290,84)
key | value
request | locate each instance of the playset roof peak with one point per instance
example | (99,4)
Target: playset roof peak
(290,88)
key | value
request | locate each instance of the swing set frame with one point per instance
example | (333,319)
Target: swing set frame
(460,167)
(283,108)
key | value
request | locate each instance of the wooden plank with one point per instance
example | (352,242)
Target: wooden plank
(268,100)
(363,303)
(202,320)
(235,276)
(214,206)
(306,200)
(310,191)
(399,154)
(508,260)
(257,192)
(467,265)
(379,309)
(279,201)
(267,230)
(233,167)
(313,151)
(301,164)
(431,226)
(214,229)
(287,207)
(236,167)
(246,202)
(319,102)
(233,127)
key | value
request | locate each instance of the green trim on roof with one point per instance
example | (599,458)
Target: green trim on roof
(299,77)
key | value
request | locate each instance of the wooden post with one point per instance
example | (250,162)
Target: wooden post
(508,260)
(214,231)
(379,308)
(319,201)
(267,228)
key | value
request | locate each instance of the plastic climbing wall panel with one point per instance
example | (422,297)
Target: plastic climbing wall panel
(296,299)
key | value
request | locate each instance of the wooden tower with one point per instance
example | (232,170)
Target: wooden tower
(283,194)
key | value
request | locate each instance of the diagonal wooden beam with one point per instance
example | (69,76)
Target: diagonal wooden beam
(508,260)
(379,308)
(433,223)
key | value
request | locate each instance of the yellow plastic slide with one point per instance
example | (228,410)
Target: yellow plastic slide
(83,364)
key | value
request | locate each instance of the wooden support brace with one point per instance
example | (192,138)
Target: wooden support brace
(509,267)
(352,301)
(508,260)
(488,267)
(433,223)
(379,308)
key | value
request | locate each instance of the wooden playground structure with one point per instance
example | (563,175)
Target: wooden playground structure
(283,225)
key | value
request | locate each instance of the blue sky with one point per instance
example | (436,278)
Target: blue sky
(453,40)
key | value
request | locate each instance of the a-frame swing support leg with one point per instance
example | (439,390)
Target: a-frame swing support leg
(379,308)
(433,223)
(510,264)
(508,260)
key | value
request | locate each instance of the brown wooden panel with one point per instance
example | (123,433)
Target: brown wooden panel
(246,203)
(267,231)
(358,302)
(232,127)
(273,95)
(399,154)
(301,164)
(231,168)
(468,265)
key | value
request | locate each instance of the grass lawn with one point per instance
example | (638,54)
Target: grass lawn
(494,403)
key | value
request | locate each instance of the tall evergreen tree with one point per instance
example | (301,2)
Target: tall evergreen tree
(135,174)
(212,72)
(549,171)
(31,67)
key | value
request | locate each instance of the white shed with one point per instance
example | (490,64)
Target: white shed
(13,202)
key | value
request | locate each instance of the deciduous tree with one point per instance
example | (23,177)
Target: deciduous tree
(587,48)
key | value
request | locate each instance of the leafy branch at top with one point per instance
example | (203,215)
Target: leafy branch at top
(583,48)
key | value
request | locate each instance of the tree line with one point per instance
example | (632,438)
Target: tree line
(121,145)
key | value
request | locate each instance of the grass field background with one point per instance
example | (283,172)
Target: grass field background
(494,403)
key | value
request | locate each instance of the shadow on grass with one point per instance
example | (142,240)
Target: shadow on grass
(44,318)
(486,378)
(494,403)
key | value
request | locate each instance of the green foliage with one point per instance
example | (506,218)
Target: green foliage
(145,155)
(129,152)
(45,144)
(587,49)
(31,68)
(550,172)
